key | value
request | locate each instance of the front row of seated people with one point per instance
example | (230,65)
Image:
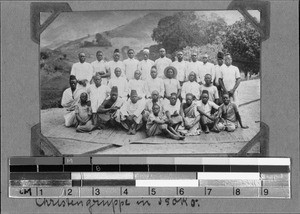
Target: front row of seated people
(99,107)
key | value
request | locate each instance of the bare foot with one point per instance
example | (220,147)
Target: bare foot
(133,132)
(206,130)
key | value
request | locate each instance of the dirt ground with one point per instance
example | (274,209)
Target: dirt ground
(110,141)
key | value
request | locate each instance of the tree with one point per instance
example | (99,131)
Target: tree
(188,29)
(243,42)
(177,31)
(102,41)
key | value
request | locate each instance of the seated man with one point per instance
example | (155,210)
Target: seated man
(108,111)
(191,117)
(138,85)
(69,99)
(156,124)
(228,116)
(83,113)
(97,93)
(154,83)
(119,82)
(204,107)
(171,84)
(191,87)
(149,104)
(172,109)
(212,90)
(131,113)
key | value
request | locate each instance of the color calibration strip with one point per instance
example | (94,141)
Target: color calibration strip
(106,177)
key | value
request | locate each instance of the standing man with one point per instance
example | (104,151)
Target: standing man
(172,85)
(180,65)
(99,67)
(161,63)
(145,65)
(115,63)
(83,71)
(206,68)
(130,64)
(218,68)
(230,79)
(193,66)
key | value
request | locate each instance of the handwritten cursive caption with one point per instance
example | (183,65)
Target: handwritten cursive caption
(117,205)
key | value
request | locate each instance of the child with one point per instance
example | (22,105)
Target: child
(212,90)
(172,110)
(149,104)
(156,125)
(228,116)
(204,107)
(191,117)
(171,84)
(83,114)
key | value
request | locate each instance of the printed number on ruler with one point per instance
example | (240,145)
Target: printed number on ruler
(96,191)
(265,191)
(180,191)
(236,191)
(207,191)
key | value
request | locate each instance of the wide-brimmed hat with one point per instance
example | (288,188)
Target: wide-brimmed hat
(173,68)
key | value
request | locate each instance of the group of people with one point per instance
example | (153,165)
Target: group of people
(176,99)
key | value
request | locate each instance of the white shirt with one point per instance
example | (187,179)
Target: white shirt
(69,98)
(138,85)
(122,85)
(181,69)
(112,65)
(195,67)
(171,86)
(145,67)
(97,95)
(130,108)
(212,92)
(218,70)
(82,71)
(155,84)
(206,108)
(99,66)
(131,65)
(190,87)
(168,107)
(161,64)
(207,68)
(229,74)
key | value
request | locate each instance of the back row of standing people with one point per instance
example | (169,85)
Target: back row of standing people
(224,76)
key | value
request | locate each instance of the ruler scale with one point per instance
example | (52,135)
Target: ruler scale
(112,176)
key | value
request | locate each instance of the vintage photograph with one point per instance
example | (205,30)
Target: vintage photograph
(150,82)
